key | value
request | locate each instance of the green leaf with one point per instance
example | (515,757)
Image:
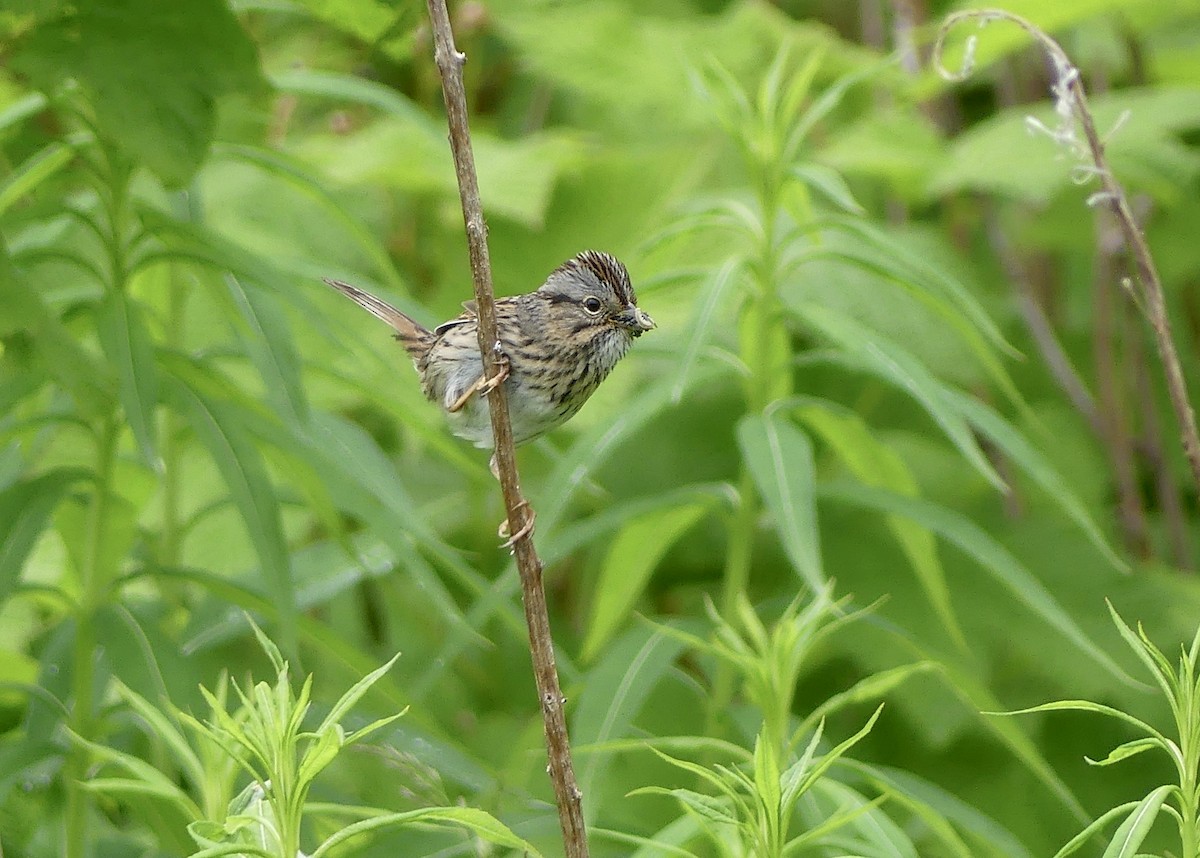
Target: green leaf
(1130,834)
(874,463)
(147,779)
(612,695)
(709,808)
(1000,156)
(780,459)
(896,365)
(1094,830)
(829,184)
(25,507)
(992,557)
(241,466)
(1018,449)
(271,346)
(21,109)
(347,701)
(478,822)
(1099,709)
(1125,751)
(32,172)
(708,303)
(59,355)
(634,555)
(152,73)
(130,351)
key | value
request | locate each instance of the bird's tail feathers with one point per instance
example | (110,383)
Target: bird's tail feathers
(414,337)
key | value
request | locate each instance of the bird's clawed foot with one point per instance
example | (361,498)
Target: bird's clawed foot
(526,528)
(483,386)
(496,380)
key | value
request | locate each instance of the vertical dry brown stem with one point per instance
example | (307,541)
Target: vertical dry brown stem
(1113,413)
(1070,91)
(520,515)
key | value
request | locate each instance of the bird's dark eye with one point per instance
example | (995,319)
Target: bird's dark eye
(592,305)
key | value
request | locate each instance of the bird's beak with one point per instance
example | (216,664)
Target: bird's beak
(637,320)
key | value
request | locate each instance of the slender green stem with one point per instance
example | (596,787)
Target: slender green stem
(94,581)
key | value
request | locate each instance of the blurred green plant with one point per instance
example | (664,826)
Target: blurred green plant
(264,736)
(1180,801)
(792,793)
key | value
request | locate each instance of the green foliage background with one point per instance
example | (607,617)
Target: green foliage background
(842,388)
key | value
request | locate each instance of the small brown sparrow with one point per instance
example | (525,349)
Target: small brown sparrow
(559,343)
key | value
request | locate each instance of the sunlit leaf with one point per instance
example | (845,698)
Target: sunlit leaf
(1128,837)
(25,508)
(873,463)
(895,364)
(632,558)
(130,351)
(244,472)
(780,457)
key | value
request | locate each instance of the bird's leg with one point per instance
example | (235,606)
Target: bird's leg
(502,372)
(483,386)
(526,528)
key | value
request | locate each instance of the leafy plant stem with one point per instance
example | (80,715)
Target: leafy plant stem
(94,580)
(735,580)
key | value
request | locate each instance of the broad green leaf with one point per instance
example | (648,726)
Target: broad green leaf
(918,275)
(612,695)
(216,425)
(271,345)
(152,74)
(25,507)
(992,557)
(829,184)
(359,480)
(632,558)
(368,21)
(1130,834)
(874,463)
(894,364)
(1018,449)
(780,459)
(130,351)
(338,86)
(299,175)
(708,302)
(58,354)
(561,542)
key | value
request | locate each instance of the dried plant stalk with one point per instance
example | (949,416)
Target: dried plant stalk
(520,514)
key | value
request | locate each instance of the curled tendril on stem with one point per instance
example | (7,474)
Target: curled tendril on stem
(1067,89)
